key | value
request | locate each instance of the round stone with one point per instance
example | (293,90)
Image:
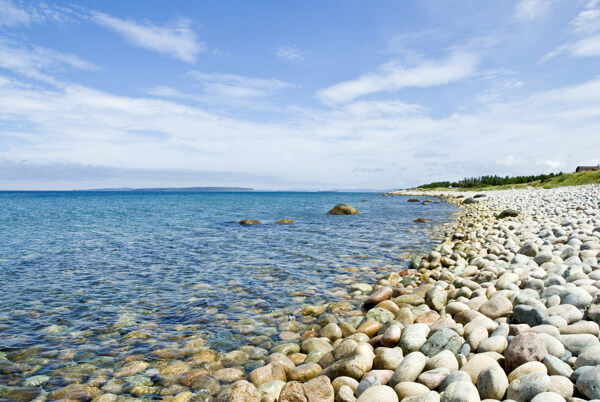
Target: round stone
(409,369)
(524,348)
(528,386)
(492,383)
(409,389)
(496,307)
(442,339)
(461,391)
(588,383)
(378,393)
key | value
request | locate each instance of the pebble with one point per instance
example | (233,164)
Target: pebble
(496,307)
(413,337)
(561,385)
(555,366)
(476,364)
(528,368)
(461,391)
(526,387)
(409,369)
(319,389)
(548,397)
(432,378)
(524,348)
(492,383)
(407,389)
(344,394)
(303,372)
(366,383)
(347,381)
(442,339)
(588,383)
(387,358)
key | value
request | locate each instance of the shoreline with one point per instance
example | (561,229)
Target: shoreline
(493,312)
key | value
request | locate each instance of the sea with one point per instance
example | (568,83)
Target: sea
(89,279)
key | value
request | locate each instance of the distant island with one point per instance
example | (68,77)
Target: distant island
(176,189)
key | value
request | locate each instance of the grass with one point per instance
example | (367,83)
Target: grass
(566,179)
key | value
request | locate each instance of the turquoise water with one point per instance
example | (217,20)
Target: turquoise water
(81,272)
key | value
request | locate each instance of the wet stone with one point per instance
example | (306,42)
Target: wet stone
(76,391)
(304,372)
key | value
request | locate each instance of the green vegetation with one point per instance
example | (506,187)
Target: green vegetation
(502,183)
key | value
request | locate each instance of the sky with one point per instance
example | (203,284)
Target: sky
(281,95)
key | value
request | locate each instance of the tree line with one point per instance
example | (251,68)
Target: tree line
(483,181)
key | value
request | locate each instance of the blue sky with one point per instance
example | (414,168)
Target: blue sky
(295,94)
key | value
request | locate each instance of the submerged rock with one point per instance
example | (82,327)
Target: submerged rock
(249,222)
(343,209)
(285,221)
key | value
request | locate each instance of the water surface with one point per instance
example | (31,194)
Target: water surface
(82,271)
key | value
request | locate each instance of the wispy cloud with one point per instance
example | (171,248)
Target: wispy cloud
(392,77)
(36,62)
(11,15)
(528,10)
(585,42)
(587,21)
(178,42)
(587,47)
(295,55)
(237,86)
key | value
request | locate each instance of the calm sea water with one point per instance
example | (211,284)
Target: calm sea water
(81,271)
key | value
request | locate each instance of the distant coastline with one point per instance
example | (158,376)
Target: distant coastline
(176,189)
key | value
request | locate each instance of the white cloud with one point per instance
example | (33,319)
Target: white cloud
(25,14)
(586,42)
(392,77)
(290,53)
(587,47)
(178,42)
(587,21)
(361,144)
(36,62)
(237,86)
(528,10)
(11,15)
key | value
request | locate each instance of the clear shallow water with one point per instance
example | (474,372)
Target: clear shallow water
(80,272)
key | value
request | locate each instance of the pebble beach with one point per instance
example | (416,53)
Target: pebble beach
(505,308)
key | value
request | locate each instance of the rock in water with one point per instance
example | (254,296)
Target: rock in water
(420,220)
(285,221)
(413,200)
(343,209)
(249,222)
